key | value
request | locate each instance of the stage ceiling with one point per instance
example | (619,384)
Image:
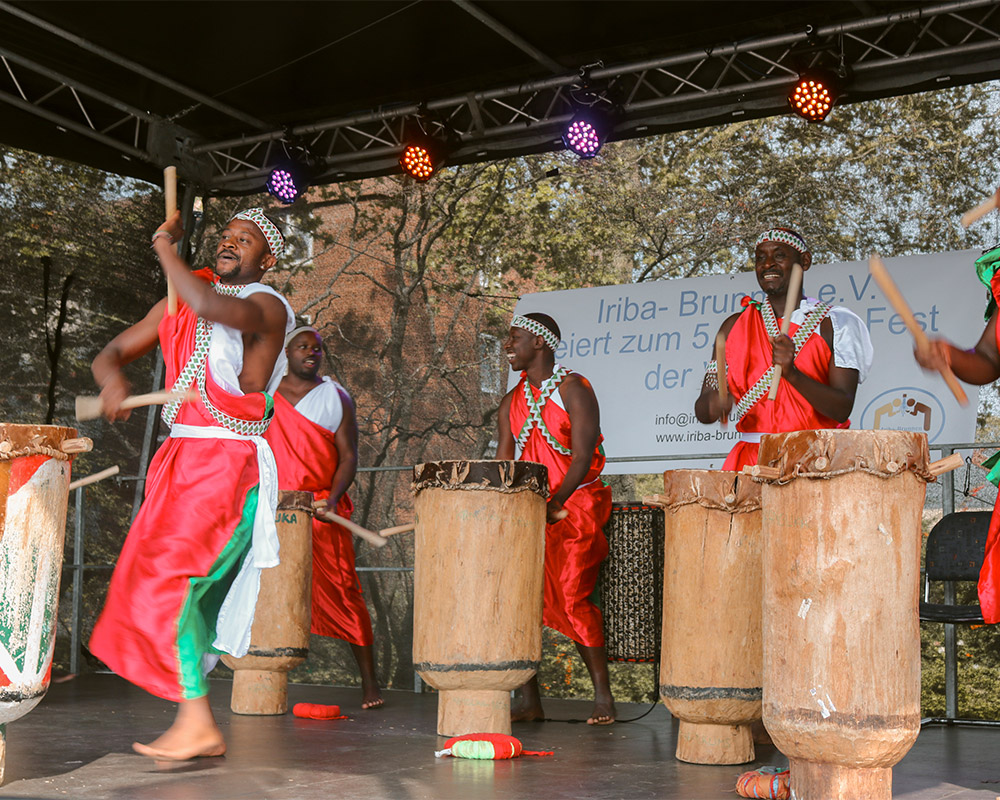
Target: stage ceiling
(224,89)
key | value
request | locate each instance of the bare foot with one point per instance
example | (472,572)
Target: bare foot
(527,712)
(193,734)
(603,714)
(200,749)
(371,698)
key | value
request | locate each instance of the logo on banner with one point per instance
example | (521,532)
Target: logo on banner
(905,408)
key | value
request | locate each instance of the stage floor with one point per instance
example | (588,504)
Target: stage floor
(76,744)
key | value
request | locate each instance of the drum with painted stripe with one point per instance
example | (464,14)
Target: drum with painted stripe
(711,660)
(279,639)
(842,538)
(34,490)
(477,586)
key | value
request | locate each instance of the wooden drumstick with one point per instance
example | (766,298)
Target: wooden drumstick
(92,407)
(946,464)
(397,529)
(981,210)
(792,299)
(720,375)
(885,282)
(362,533)
(97,476)
(170,202)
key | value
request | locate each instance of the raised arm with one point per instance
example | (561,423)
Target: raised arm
(258,314)
(979,366)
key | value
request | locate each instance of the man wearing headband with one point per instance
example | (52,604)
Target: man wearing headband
(552,417)
(824,357)
(314,436)
(186,581)
(979,366)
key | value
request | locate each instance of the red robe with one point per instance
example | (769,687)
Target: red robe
(748,356)
(989,573)
(186,544)
(307,458)
(574,546)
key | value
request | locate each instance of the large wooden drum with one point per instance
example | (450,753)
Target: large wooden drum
(711,662)
(34,488)
(842,543)
(477,586)
(279,639)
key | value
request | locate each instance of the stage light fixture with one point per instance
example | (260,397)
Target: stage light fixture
(814,95)
(291,176)
(586,133)
(423,154)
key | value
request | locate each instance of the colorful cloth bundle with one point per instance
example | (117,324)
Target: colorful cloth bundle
(316,711)
(486,746)
(771,782)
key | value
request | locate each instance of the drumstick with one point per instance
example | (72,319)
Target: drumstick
(397,529)
(720,375)
(884,280)
(362,533)
(92,407)
(946,464)
(170,201)
(791,303)
(97,476)
(981,210)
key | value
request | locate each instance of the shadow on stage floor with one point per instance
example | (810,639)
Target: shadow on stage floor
(76,744)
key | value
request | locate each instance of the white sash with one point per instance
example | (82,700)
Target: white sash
(752,437)
(237,612)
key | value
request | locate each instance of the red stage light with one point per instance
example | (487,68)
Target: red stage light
(417,160)
(813,97)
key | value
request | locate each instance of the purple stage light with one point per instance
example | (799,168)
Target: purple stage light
(585,134)
(282,185)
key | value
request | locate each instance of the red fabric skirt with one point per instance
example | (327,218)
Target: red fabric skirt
(338,606)
(574,549)
(177,564)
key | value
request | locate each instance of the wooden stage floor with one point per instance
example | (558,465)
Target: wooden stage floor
(76,744)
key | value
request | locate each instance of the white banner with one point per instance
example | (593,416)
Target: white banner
(645,346)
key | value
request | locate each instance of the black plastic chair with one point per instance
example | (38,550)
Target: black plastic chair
(955,549)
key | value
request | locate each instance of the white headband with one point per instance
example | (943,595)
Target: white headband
(784,237)
(537,328)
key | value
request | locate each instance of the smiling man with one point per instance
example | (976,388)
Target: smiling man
(186,581)
(824,357)
(315,440)
(552,417)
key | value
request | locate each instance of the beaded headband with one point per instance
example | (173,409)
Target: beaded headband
(275,241)
(536,327)
(297,331)
(783,236)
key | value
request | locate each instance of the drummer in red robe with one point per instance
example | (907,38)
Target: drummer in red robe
(552,417)
(185,585)
(979,366)
(824,357)
(314,435)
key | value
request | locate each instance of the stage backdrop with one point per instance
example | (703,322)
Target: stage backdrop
(645,346)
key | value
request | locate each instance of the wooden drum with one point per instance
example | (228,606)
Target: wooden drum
(710,670)
(477,586)
(841,521)
(279,639)
(34,489)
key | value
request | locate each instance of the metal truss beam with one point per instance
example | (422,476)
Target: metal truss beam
(945,44)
